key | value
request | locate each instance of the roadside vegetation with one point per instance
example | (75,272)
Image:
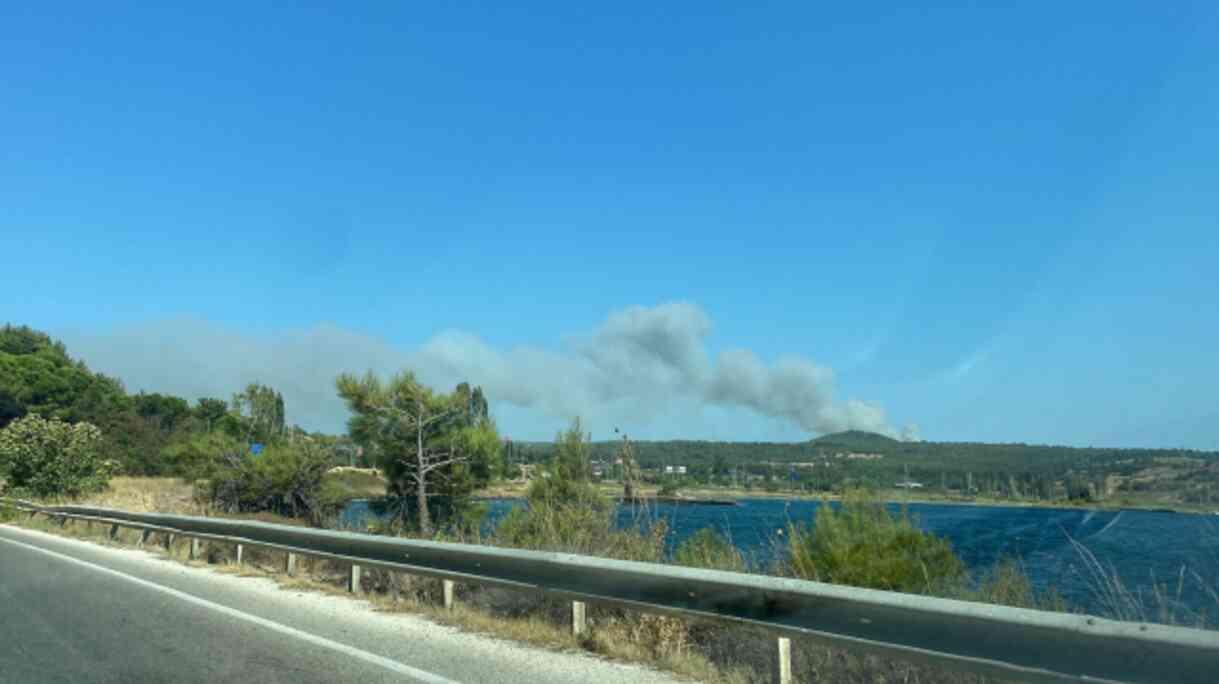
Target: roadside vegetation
(42,458)
(862,544)
(67,434)
(435,449)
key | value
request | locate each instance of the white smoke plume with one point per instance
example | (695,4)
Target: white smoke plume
(636,363)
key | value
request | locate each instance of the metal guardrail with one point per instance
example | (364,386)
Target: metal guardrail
(1007,643)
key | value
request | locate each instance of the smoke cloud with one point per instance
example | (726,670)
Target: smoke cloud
(637,364)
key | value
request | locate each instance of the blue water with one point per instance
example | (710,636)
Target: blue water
(1144,548)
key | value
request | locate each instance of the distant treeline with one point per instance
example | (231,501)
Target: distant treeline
(950,465)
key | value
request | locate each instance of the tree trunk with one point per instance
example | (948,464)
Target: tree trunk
(425,519)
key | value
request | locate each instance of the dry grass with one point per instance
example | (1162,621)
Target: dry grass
(357,482)
(167,495)
(148,495)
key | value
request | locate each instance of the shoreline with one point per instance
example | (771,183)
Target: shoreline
(517,490)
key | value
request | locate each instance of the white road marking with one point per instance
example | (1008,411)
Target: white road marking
(392,665)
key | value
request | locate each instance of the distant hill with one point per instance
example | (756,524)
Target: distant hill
(858,441)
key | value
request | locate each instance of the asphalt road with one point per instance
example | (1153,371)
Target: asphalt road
(71,611)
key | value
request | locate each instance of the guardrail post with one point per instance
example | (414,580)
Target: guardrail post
(194,548)
(353,580)
(783,675)
(144,534)
(290,564)
(169,542)
(63,521)
(114,531)
(578,623)
(240,548)
(447,589)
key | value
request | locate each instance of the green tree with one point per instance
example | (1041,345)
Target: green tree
(135,443)
(200,455)
(471,402)
(262,409)
(52,458)
(10,408)
(209,411)
(719,467)
(24,340)
(426,443)
(478,446)
(164,411)
(38,376)
(568,476)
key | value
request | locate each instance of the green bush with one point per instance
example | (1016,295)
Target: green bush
(198,456)
(579,527)
(53,458)
(862,544)
(709,549)
(286,478)
(565,511)
(583,524)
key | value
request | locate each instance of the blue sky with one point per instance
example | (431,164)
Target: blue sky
(993,224)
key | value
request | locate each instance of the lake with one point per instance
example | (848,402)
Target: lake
(1145,548)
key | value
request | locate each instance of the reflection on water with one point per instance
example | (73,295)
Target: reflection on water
(1145,548)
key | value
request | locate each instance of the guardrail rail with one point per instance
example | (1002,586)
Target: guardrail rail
(1011,644)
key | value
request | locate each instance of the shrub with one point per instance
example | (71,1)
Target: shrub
(200,455)
(709,549)
(566,512)
(568,476)
(864,545)
(580,527)
(287,479)
(53,458)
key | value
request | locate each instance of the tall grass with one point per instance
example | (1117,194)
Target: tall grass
(1160,603)
(7,512)
(1007,584)
(707,548)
